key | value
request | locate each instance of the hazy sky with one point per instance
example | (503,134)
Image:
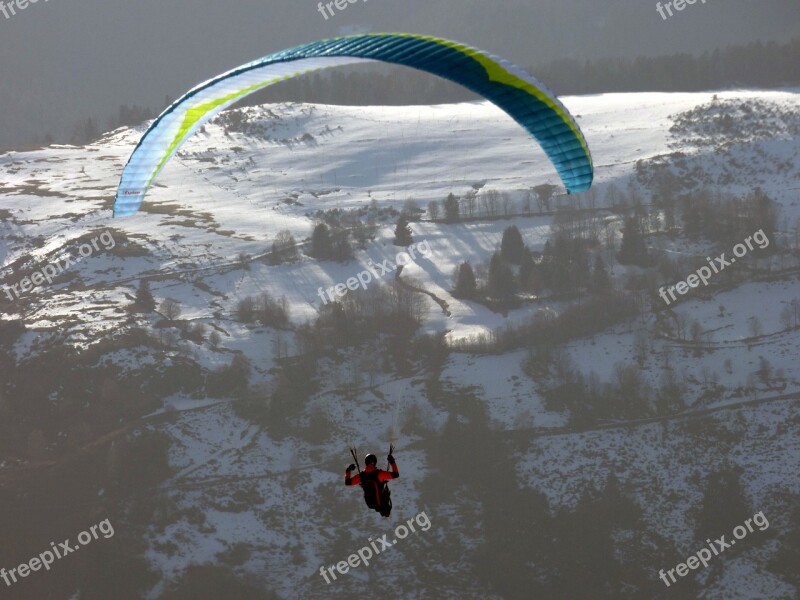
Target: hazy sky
(65,60)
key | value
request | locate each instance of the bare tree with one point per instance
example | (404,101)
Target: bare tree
(591,198)
(615,198)
(544,194)
(764,372)
(490,200)
(370,365)
(790,315)
(527,202)
(470,201)
(633,389)
(410,208)
(433,210)
(507,203)
(611,237)
(171,309)
(280,347)
(284,246)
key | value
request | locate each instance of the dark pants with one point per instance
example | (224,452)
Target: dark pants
(385,506)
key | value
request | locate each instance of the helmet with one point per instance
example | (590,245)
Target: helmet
(370,459)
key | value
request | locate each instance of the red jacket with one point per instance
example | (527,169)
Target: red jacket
(380,476)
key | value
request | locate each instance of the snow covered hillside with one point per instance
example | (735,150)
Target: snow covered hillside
(519,420)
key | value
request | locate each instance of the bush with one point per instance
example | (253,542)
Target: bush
(402,233)
(233,380)
(284,248)
(272,313)
(245,310)
(330,244)
(194,332)
(263,309)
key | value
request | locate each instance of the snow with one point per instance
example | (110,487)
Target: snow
(226,195)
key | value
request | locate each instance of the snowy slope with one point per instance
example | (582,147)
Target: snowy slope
(230,193)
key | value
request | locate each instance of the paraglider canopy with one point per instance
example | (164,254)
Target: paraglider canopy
(513,90)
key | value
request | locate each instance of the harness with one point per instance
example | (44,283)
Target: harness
(376,493)
(373,489)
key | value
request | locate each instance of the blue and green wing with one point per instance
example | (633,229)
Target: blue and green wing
(513,90)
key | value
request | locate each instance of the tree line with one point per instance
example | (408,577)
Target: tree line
(757,64)
(751,65)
